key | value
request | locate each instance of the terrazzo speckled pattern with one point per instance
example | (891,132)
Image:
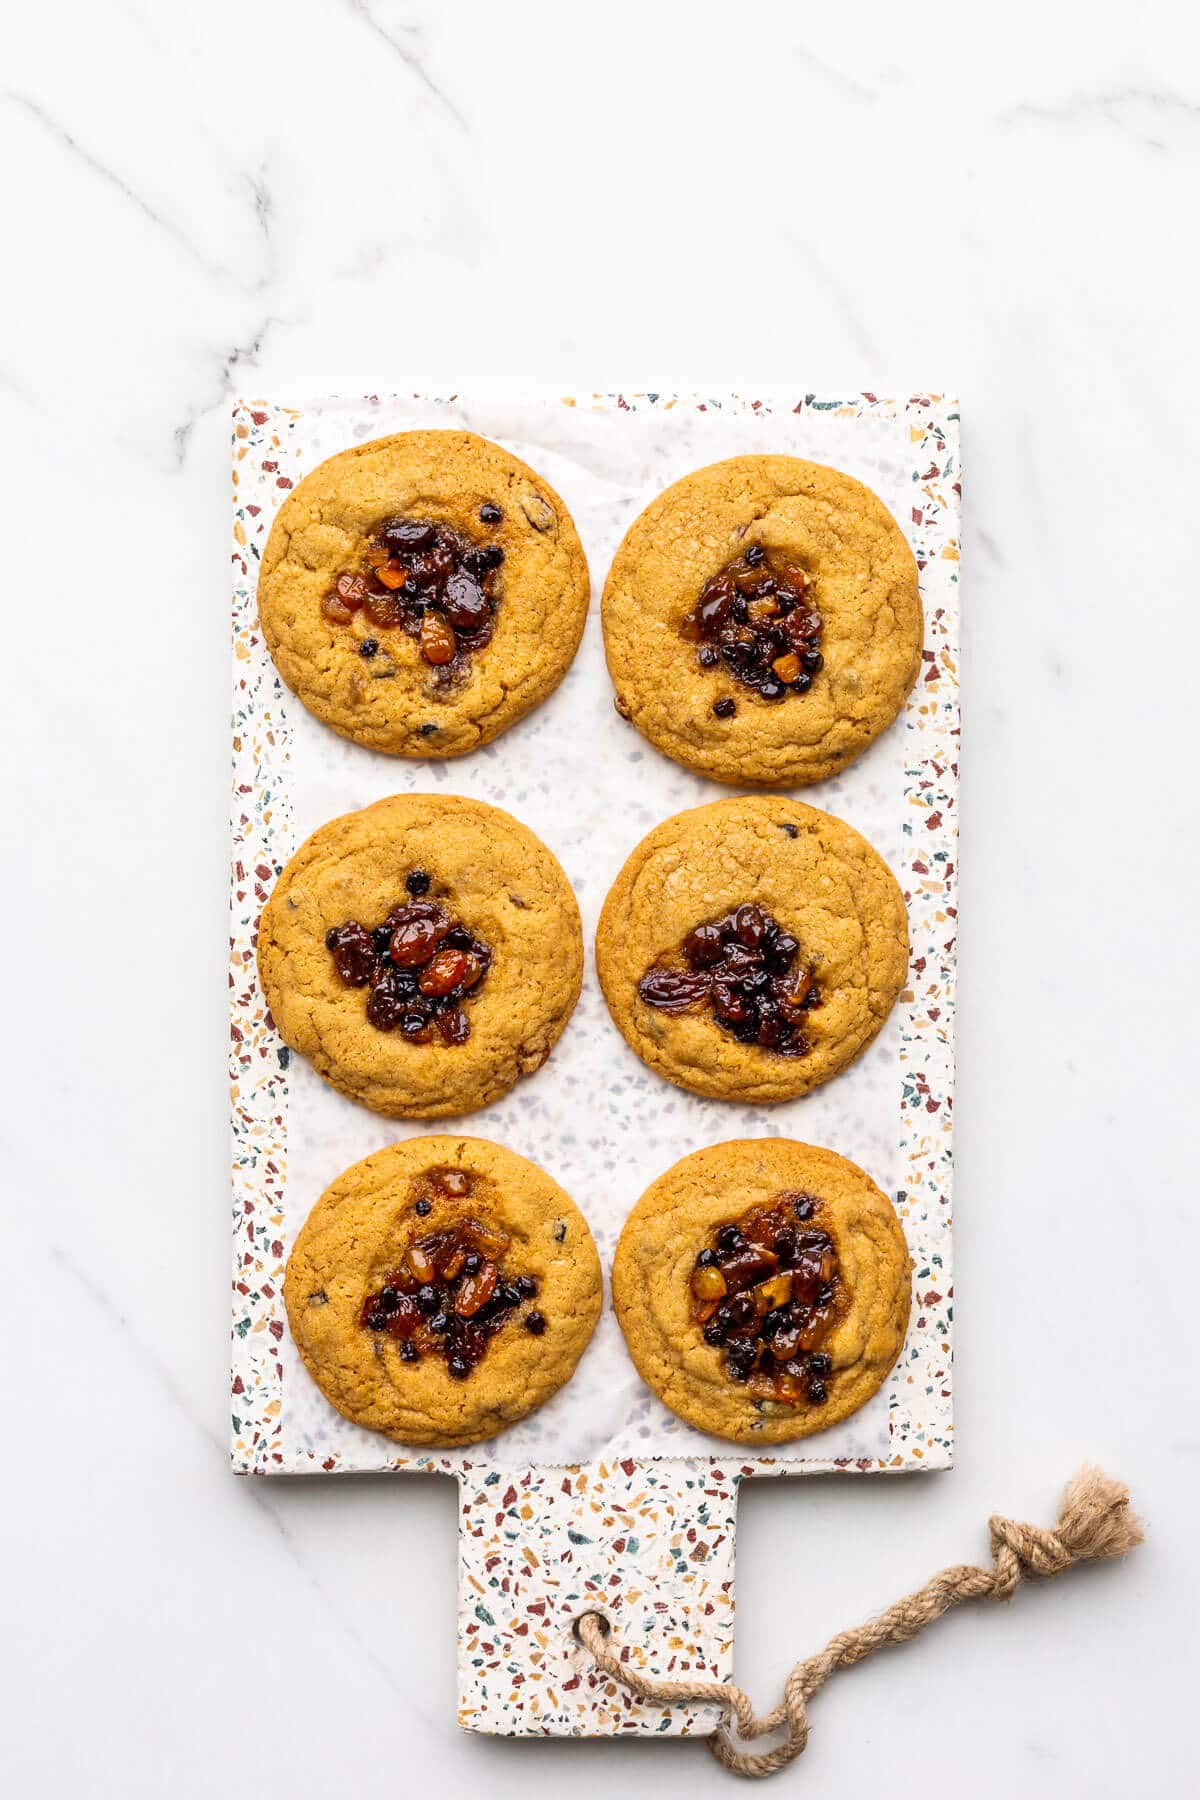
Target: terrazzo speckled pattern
(572,1503)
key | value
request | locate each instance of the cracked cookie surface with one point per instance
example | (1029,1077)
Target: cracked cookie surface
(864,585)
(361,1226)
(488,870)
(653,1300)
(817,877)
(393,700)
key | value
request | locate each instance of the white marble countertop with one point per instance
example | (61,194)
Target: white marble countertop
(371,195)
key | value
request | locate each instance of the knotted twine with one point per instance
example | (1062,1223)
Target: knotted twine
(1094,1522)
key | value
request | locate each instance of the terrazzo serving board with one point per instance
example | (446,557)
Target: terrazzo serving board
(603,1498)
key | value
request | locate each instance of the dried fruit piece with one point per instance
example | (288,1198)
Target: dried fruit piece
(486,1238)
(746,1267)
(454,1025)
(429,580)
(451,1262)
(745,964)
(708,1283)
(420,963)
(421,1264)
(466,605)
(392,574)
(673,990)
(408,534)
(352,590)
(335,608)
(353,950)
(769,1328)
(445,971)
(539,512)
(446,1298)
(776,1292)
(753,619)
(383,610)
(438,642)
(404,1320)
(476,1290)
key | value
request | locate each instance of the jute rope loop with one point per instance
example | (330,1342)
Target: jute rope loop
(1094,1522)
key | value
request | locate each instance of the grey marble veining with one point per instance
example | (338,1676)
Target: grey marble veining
(421,195)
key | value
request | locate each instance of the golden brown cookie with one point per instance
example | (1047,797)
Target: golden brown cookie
(763,1287)
(762,621)
(750,949)
(442,1289)
(421,593)
(423,953)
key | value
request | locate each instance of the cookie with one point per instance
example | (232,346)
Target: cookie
(750,949)
(442,1289)
(762,621)
(421,593)
(764,1288)
(423,954)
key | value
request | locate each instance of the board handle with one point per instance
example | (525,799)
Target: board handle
(649,1545)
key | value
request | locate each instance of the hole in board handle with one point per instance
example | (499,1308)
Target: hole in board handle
(601,1621)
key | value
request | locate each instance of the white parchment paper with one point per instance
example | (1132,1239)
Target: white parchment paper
(600,1122)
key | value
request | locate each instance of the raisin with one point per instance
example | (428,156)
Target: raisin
(477,1289)
(438,643)
(354,954)
(754,615)
(445,971)
(448,1296)
(426,579)
(743,965)
(750,923)
(703,946)
(414,941)
(465,604)
(454,1025)
(420,963)
(387,1002)
(408,534)
(673,990)
(383,610)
